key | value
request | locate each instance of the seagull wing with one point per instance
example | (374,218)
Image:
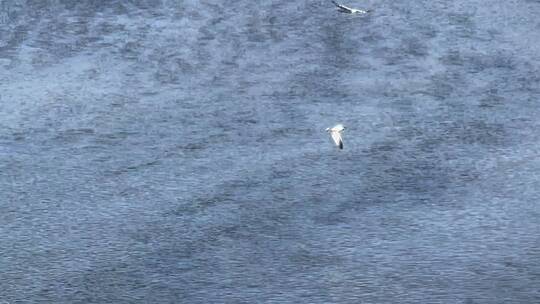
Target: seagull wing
(338,128)
(360,11)
(337,139)
(341,6)
(336,4)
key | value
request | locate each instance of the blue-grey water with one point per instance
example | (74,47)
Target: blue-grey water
(156,151)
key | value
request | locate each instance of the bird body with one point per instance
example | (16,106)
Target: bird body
(335,132)
(345,9)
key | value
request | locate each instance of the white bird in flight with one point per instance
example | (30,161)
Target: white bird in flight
(335,131)
(345,9)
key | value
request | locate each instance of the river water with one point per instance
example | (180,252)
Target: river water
(174,152)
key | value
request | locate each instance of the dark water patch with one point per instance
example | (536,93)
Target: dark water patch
(11,43)
(479,132)
(414,47)
(88,9)
(306,258)
(113,138)
(464,25)
(443,86)
(73,135)
(143,165)
(199,205)
(475,62)
(131,49)
(92,286)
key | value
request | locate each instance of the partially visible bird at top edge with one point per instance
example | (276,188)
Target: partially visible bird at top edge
(345,9)
(335,132)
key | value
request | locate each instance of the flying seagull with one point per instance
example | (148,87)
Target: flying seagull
(335,131)
(345,9)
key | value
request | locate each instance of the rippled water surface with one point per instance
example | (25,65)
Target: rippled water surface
(174,152)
